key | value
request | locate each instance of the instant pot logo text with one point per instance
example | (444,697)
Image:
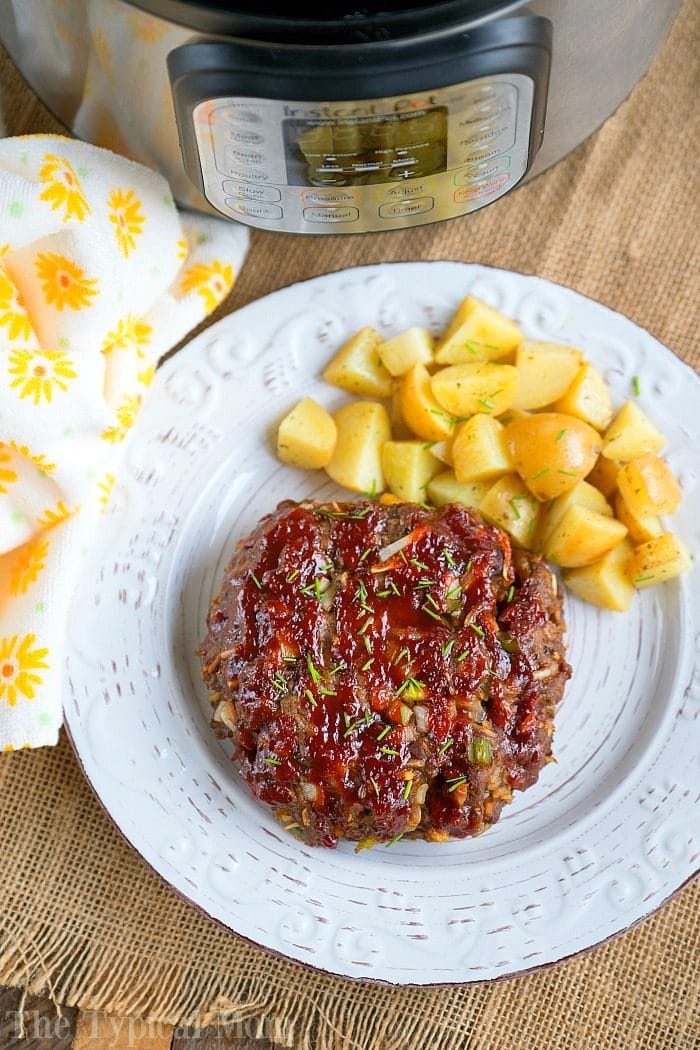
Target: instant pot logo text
(342,111)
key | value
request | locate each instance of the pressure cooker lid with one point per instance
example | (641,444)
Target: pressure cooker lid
(334,21)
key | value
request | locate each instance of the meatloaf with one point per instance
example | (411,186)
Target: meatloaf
(385,670)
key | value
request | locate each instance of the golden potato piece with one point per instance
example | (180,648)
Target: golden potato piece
(442,450)
(604,475)
(552,452)
(545,372)
(480,450)
(648,487)
(604,582)
(464,390)
(419,409)
(477,332)
(587,398)
(631,434)
(408,467)
(357,368)
(444,488)
(388,498)
(363,428)
(582,494)
(510,505)
(398,426)
(306,436)
(658,560)
(582,536)
(403,351)
(639,529)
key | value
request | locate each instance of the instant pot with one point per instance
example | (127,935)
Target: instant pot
(375,116)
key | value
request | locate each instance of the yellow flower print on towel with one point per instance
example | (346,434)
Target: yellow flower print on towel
(128,219)
(39,372)
(29,562)
(51,516)
(37,458)
(19,663)
(127,412)
(7,475)
(130,332)
(212,281)
(62,188)
(63,282)
(13,316)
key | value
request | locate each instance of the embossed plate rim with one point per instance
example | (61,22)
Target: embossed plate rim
(204,361)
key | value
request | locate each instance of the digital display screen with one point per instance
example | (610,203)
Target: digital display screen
(365,150)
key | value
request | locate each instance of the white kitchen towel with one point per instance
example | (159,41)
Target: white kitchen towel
(99,276)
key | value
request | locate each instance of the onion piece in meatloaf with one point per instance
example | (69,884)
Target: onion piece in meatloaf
(385,670)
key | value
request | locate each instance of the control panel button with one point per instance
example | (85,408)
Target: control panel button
(243,156)
(251,191)
(404,190)
(480,188)
(399,209)
(237,114)
(243,174)
(253,209)
(243,136)
(329,197)
(484,169)
(331,214)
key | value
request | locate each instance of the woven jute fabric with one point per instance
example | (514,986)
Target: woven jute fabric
(80,915)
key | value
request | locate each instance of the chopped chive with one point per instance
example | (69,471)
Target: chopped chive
(388,751)
(454,591)
(447,648)
(392,841)
(366,625)
(256,581)
(515,509)
(327,692)
(394,588)
(383,594)
(346,718)
(539,473)
(338,667)
(405,653)
(289,659)
(555,558)
(352,727)
(419,565)
(368,718)
(293,575)
(568,473)
(279,682)
(511,592)
(450,560)
(448,744)
(273,761)
(426,506)
(487,404)
(402,555)
(407,790)
(479,630)
(366,553)
(432,601)
(642,579)
(463,656)
(367,664)
(429,444)
(405,715)
(422,584)
(402,688)
(635,385)
(310,697)
(375,785)
(385,730)
(372,494)
(327,567)
(560,435)
(457,783)
(368,644)
(315,676)
(429,611)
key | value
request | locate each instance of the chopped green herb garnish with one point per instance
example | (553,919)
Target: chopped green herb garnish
(315,676)
(367,664)
(455,783)
(479,630)
(326,692)
(383,594)
(429,611)
(448,744)
(388,751)
(511,592)
(454,591)
(423,584)
(407,789)
(447,648)
(279,682)
(426,506)
(568,473)
(338,667)
(372,494)
(375,785)
(366,553)
(368,644)
(432,601)
(405,654)
(635,385)
(560,435)
(368,718)
(310,697)
(289,659)
(545,470)
(273,761)
(555,558)
(384,732)
(327,567)
(366,625)
(643,579)
(293,575)
(463,656)
(450,560)
(256,581)
(420,565)
(394,588)
(392,841)
(352,726)
(429,444)
(487,404)
(515,509)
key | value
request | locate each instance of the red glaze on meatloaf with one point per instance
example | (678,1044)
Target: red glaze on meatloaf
(385,670)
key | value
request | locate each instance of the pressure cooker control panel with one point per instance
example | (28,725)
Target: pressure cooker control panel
(365,165)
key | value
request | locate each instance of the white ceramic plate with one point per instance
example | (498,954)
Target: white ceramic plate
(604,838)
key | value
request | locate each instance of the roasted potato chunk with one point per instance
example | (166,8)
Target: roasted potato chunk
(415,346)
(587,398)
(631,434)
(658,560)
(464,390)
(419,409)
(306,436)
(639,529)
(545,372)
(583,495)
(362,429)
(444,488)
(408,467)
(604,476)
(582,536)
(648,487)
(511,506)
(604,582)
(480,450)
(357,367)
(477,332)
(552,452)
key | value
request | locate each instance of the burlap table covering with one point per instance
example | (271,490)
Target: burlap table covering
(82,918)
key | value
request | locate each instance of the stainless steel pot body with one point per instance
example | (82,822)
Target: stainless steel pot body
(442,150)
